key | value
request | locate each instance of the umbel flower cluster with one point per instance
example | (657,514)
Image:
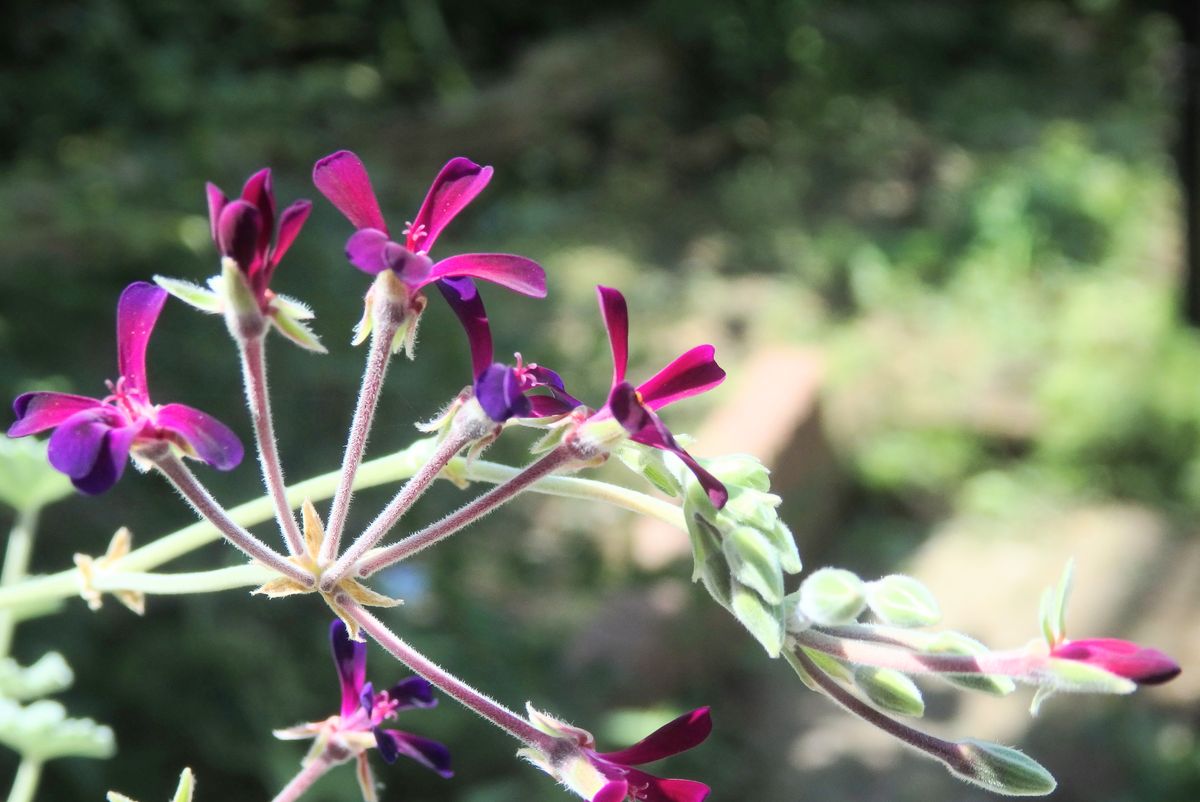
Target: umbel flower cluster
(861,643)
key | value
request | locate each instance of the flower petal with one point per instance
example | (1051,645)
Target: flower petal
(137,312)
(367,249)
(463,297)
(628,410)
(259,193)
(342,179)
(211,440)
(37,412)
(680,735)
(514,272)
(74,446)
(547,406)
(427,752)
(456,185)
(239,231)
(412,692)
(659,790)
(216,202)
(657,435)
(692,373)
(498,391)
(350,658)
(616,321)
(1141,664)
(290,223)
(613,791)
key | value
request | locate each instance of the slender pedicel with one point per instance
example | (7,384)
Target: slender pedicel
(881,655)
(311,772)
(209,509)
(450,685)
(254,375)
(466,514)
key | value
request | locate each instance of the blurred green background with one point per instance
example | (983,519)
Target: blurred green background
(938,245)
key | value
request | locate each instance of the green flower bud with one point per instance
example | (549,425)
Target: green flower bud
(890,690)
(902,602)
(50,674)
(832,596)
(754,562)
(42,731)
(1002,770)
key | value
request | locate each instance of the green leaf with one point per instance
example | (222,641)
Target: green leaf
(27,482)
(754,562)
(902,602)
(42,731)
(832,596)
(50,674)
(891,690)
(1002,769)
(763,621)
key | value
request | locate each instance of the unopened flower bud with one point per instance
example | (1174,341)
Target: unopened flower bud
(903,602)
(1002,770)
(832,596)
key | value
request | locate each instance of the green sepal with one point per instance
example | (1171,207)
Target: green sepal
(902,601)
(830,665)
(50,674)
(1053,609)
(183,791)
(1002,770)
(754,562)
(193,295)
(957,643)
(832,596)
(27,482)
(292,327)
(890,690)
(42,731)
(1072,676)
(764,621)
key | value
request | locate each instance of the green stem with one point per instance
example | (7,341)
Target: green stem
(26,782)
(16,564)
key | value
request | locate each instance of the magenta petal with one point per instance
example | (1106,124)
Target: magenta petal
(692,373)
(350,658)
(680,735)
(290,223)
(367,249)
(239,231)
(616,321)
(463,297)
(613,791)
(37,412)
(426,751)
(656,435)
(216,202)
(514,272)
(212,440)
(546,406)
(258,192)
(137,312)
(673,790)
(342,179)
(456,185)
(1141,664)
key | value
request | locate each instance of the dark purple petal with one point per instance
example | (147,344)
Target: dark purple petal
(412,692)
(238,233)
(37,412)
(692,373)
(616,321)
(110,461)
(412,268)
(427,752)
(680,735)
(366,698)
(463,297)
(290,223)
(613,791)
(350,658)
(628,410)
(544,377)
(498,391)
(514,272)
(367,250)
(546,406)
(78,440)
(657,435)
(137,312)
(342,179)
(258,192)
(1143,665)
(211,440)
(456,185)
(216,202)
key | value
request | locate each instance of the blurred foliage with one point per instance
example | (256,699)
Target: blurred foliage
(968,206)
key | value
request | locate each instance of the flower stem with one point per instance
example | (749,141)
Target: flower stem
(465,514)
(16,564)
(25,784)
(207,507)
(400,504)
(386,324)
(253,354)
(309,774)
(452,686)
(881,655)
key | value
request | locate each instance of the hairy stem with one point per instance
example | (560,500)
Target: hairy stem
(309,774)
(253,354)
(386,324)
(17,554)
(465,514)
(208,508)
(872,653)
(450,685)
(25,784)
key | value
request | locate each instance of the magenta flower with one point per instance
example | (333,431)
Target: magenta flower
(242,230)
(359,725)
(342,178)
(93,437)
(634,408)
(1143,665)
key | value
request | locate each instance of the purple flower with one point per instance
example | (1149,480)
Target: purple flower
(242,230)
(93,437)
(342,179)
(359,725)
(634,408)
(1143,665)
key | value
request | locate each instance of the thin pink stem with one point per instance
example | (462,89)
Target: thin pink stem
(386,324)
(309,774)
(450,685)
(400,504)
(254,376)
(882,655)
(210,509)
(466,514)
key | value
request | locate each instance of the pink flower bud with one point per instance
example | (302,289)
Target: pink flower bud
(1121,657)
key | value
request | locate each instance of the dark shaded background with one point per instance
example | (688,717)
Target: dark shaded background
(966,211)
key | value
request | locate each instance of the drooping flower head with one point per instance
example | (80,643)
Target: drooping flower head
(358,726)
(635,408)
(93,437)
(1141,664)
(611,776)
(342,178)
